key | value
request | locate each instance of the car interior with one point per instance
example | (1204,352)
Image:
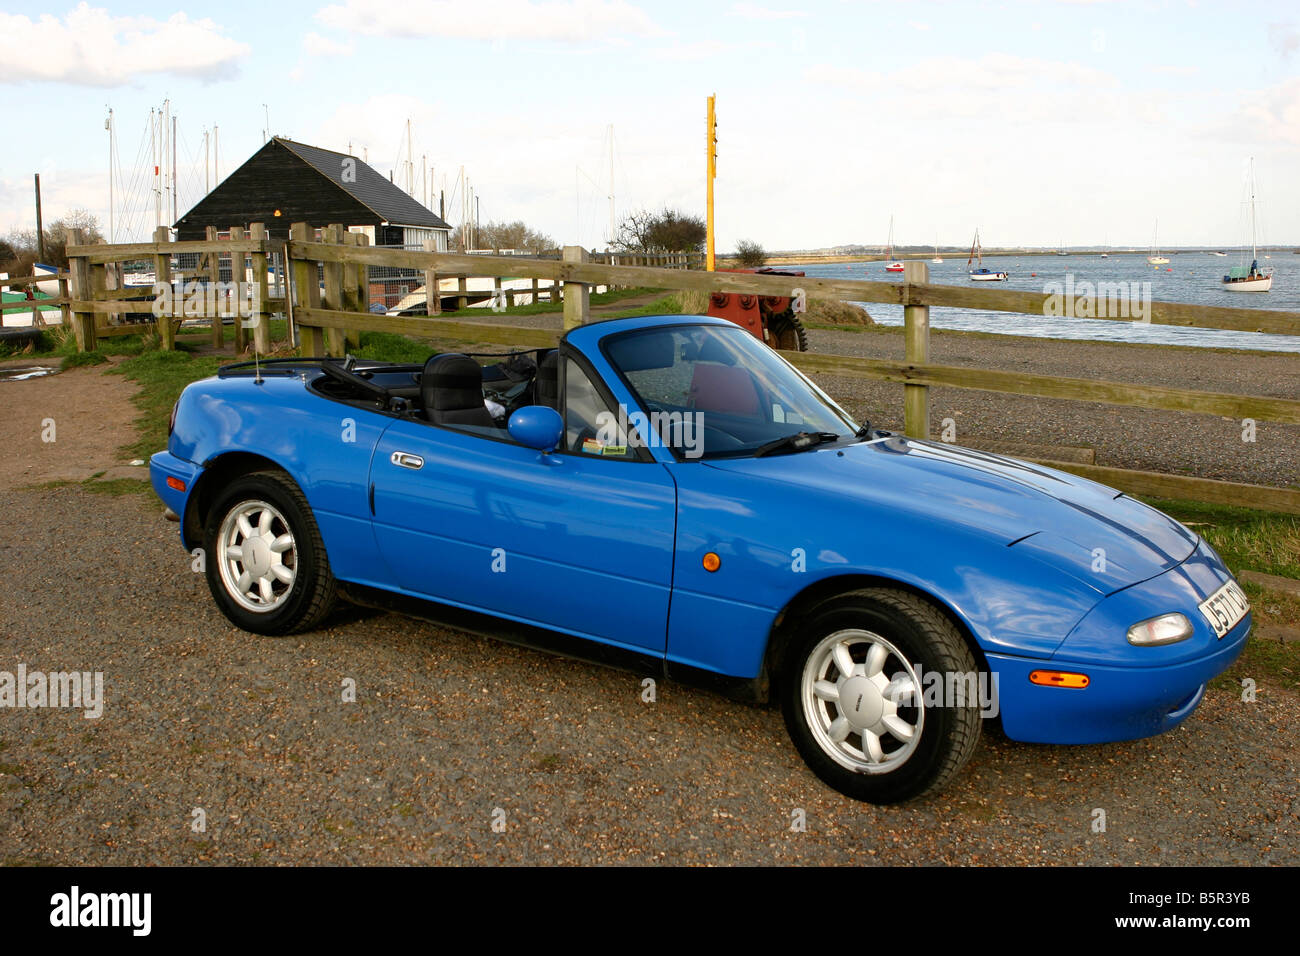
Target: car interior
(474,392)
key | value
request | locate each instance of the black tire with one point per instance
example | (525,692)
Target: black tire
(297,605)
(944,733)
(787,332)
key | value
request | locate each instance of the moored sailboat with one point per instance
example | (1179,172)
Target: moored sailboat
(1253,279)
(981,274)
(891,264)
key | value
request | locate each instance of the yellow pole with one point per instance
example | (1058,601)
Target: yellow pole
(711,152)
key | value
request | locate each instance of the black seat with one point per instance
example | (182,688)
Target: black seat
(546,388)
(451,390)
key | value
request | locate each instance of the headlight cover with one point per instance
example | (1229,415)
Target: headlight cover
(1165,629)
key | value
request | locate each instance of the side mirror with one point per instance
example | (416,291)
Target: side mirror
(537,427)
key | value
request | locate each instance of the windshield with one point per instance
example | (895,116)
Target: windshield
(715,391)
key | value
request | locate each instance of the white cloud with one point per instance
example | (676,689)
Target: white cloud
(918,25)
(1285,38)
(566,21)
(90,47)
(752,12)
(1175,70)
(1271,115)
(314,44)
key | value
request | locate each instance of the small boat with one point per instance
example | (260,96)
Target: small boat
(50,286)
(937,258)
(1221,255)
(1254,279)
(981,274)
(891,264)
(1156,259)
(1105,255)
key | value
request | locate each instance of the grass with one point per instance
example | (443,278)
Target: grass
(80,359)
(59,342)
(668,305)
(597,298)
(1250,540)
(390,347)
(162,376)
(1246,539)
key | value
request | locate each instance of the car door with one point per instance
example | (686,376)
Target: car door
(579,540)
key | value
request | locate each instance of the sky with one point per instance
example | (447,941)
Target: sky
(1042,124)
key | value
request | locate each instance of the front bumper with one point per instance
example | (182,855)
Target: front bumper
(164,465)
(1133,691)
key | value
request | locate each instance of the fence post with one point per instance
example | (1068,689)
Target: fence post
(362,286)
(65,308)
(306,295)
(577,296)
(916,338)
(213,269)
(462,302)
(432,298)
(237,278)
(334,338)
(262,330)
(83,323)
(99,287)
(162,272)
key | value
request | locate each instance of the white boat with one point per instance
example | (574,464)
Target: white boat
(979,273)
(891,264)
(1156,259)
(50,286)
(1221,255)
(937,258)
(1252,279)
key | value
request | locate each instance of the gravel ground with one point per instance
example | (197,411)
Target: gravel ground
(448,730)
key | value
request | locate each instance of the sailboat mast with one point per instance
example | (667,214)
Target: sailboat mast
(1254,253)
(108,124)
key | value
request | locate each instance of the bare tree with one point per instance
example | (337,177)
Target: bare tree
(505,235)
(750,254)
(668,230)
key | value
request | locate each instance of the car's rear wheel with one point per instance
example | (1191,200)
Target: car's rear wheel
(859,706)
(266,564)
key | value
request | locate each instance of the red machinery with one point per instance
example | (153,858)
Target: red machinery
(769,318)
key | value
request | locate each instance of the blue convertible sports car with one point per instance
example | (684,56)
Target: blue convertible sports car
(669,495)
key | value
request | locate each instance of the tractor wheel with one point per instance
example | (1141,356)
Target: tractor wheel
(786,332)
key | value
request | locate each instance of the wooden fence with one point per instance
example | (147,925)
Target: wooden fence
(36,306)
(327,302)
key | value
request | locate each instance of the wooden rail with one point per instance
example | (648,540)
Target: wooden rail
(37,306)
(328,299)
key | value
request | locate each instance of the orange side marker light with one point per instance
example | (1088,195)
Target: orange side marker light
(1059,679)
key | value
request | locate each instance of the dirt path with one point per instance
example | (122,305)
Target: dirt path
(87,414)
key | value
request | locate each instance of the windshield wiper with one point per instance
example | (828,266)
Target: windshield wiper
(799,441)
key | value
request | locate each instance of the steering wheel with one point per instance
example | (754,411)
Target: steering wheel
(351,378)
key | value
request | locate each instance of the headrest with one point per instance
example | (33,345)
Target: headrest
(451,380)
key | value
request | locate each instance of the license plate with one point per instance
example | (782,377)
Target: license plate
(1225,608)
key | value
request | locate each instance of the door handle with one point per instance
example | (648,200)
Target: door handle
(407,460)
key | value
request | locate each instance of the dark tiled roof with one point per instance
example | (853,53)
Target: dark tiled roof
(371,189)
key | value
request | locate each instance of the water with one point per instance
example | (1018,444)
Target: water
(25,372)
(1192,277)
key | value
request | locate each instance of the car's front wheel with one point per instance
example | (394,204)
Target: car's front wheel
(868,699)
(266,564)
